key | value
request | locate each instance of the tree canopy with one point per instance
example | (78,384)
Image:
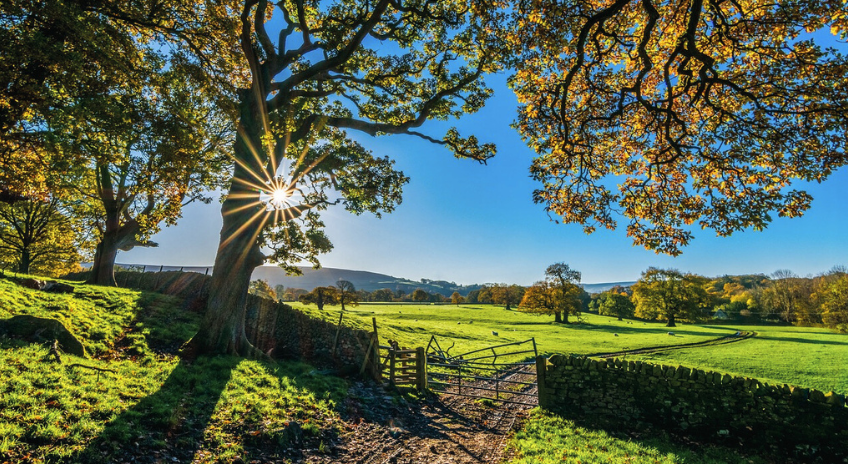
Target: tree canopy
(671,295)
(702,112)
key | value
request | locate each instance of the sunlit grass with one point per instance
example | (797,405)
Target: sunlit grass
(147,401)
(549,439)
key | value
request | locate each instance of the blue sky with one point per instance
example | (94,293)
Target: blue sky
(469,223)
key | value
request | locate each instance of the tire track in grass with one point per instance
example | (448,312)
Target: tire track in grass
(735,338)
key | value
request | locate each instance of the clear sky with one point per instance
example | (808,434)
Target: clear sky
(470,223)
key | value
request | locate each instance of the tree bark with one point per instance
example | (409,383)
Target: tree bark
(222,329)
(670,321)
(23,265)
(115,237)
(565,317)
(557,317)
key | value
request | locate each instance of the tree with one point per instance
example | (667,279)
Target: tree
(261,289)
(383,294)
(834,304)
(60,53)
(294,294)
(150,149)
(670,294)
(420,295)
(566,279)
(320,296)
(457,299)
(542,298)
(377,67)
(37,237)
(346,293)
(615,304)
(507,295)
(280,291)
(702,111)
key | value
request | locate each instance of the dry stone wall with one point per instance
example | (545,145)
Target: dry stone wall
(275,328)
(801,424)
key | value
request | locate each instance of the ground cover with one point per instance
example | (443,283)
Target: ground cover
(804,356)
(145,404)
(548,439)
(472,326)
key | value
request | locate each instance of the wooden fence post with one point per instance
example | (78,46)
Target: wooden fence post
(338,329)
(421,368)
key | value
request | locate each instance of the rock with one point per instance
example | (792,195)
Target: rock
(58,287)
(34,284)
(39,329)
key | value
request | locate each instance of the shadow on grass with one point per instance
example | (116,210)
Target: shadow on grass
(803,340)
(171,422)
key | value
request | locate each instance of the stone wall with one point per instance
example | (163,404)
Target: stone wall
(275,328)
(794,422)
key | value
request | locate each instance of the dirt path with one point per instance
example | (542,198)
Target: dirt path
(438,430)
(737,337)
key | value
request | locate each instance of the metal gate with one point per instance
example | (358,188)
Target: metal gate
(497,373)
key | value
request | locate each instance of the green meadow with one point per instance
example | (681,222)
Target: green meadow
(145,403)
(807,357)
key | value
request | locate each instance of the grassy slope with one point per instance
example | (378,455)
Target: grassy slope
(809,357)
(412,326)
(153,404)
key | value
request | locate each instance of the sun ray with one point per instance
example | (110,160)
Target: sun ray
(253,237)
(244,226)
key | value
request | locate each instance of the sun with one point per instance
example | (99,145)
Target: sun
(280,195)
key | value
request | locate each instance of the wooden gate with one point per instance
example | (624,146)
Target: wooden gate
(504,373)
(405,367)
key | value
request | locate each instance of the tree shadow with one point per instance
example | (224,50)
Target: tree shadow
(169,424)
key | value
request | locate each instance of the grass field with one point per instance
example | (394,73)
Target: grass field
(807,357)
(148,405)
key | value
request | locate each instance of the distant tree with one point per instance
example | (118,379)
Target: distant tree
(262,289)
(36,237)
(834,304)
(671,295)
(346,293)
(473,296)
(615,304)
(383,294)
(507,295)
(781,295)
(457,299)
(294,294)
(566,280)
(485,295)
(420,295)
(280,291)
(320,296)
(542,298)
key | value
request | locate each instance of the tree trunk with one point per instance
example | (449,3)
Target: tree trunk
(670,321)
(565,317)
(23,265)
(103,267)
(557,316)
(222,329)
(115,237)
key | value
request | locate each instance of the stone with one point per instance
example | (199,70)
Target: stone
(40,329)
(58,287)
(33,284)
(558,360)
(833,398)
(816,396)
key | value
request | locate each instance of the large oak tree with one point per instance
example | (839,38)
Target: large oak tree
(671,113)
(318,70)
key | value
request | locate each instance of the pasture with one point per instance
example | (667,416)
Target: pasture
(807,357)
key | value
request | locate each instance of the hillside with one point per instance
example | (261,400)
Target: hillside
(362,280)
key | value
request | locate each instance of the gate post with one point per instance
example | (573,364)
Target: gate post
(421,368)
(541,387)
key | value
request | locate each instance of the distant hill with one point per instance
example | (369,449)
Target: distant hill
(598,288)
(362,280)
